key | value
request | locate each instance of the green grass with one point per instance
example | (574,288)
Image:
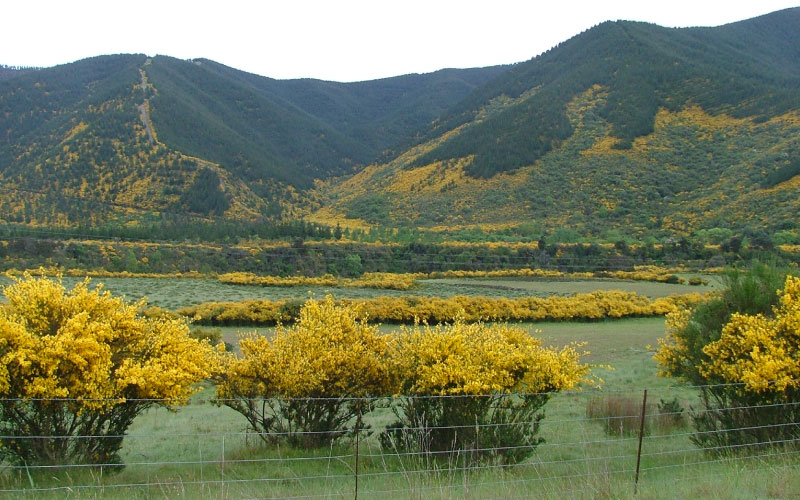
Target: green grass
(572,464)
(524,287)
(174,293)
(578,460)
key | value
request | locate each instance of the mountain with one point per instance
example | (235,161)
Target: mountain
(118,138)
(749,69)
(626,127)
(295,130)
(12,71)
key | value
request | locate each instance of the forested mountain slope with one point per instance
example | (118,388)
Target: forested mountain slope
(119,138)
(627,126)
(295,130)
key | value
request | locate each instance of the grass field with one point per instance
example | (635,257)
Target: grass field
(206,451)
(174,293)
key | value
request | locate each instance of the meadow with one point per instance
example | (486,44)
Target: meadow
(174,293)
(207,451)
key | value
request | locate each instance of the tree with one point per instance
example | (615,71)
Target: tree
(763,353)
(352,265)
(77,367)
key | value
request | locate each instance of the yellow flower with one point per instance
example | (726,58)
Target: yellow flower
(87,345)
(763,353)
(328,352)
(479,358)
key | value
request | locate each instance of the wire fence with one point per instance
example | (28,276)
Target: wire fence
(590,444)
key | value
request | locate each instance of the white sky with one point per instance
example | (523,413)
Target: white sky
(344,40)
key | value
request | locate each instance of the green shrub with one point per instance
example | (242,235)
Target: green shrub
(498,426)
(670,416)
(732,416)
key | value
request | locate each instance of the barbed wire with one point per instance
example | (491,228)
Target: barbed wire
(185,462)
(673,478)
(590,391)
(726,459)
(727,447)
(577,461)
(723,431)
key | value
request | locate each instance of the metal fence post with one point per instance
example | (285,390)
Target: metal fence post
(641,435)
(358,434)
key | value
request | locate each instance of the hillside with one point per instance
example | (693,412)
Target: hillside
(295,130)
(7,72)
(626,127)
(78,146)
(746,69)
(125,138)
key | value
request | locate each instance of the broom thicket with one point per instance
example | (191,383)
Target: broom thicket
(743,348)
(406,281)
(457,386)
(456,381)
(387,281)
(305,383)
(587,306)
(76,367)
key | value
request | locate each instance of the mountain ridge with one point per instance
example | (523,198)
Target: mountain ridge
(623,56)
(82,123)
(659,86)
(565,138)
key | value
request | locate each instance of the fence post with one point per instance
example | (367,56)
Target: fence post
(358,434)
(641,435)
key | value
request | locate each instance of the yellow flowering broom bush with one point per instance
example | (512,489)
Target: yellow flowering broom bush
(760,352)
(306,382)
(584,306)
(388,281)
(743,348)
(406,281)
(76,367)
(456,382)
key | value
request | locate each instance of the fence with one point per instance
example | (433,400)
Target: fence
(596,444)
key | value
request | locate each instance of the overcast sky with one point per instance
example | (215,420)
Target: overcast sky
(344,40)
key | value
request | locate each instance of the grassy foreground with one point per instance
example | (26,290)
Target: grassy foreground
(205,451)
